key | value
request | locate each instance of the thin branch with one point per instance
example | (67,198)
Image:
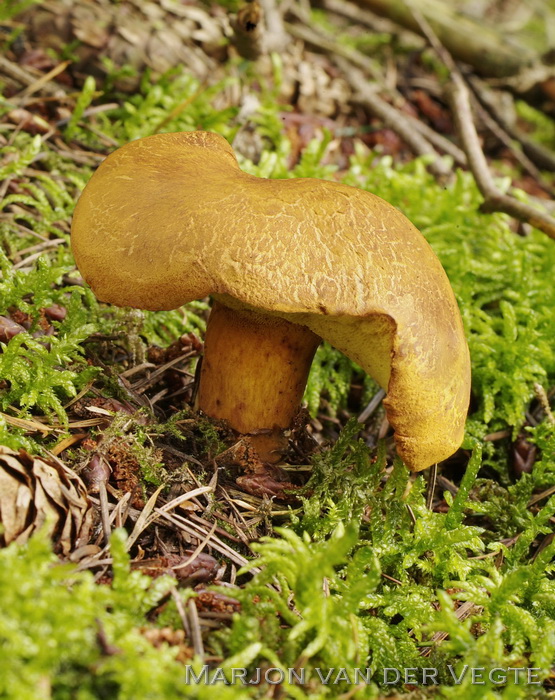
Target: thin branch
(42,82)
(323,40)
(471,41)
(372,406)
(392,117)
(104,512)
(499,132)
(494,199)
(420,138)
(28,79)
(181,612)
(431,487)
(540,156)
(439,141)
(458,93)
(464,610)
(359,15)
(195,628)
(201,545)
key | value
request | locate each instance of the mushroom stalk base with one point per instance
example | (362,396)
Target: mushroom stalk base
(254,373)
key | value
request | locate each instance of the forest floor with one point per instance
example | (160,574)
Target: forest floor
(177,554)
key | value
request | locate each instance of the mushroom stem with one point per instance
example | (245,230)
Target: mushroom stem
(254,373)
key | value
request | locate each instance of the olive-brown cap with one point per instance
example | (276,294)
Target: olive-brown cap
(171,218)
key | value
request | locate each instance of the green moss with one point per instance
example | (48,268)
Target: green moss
(50,624)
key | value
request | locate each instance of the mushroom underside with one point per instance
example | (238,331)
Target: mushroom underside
(256,367)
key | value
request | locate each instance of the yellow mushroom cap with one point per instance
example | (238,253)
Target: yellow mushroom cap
(171,218)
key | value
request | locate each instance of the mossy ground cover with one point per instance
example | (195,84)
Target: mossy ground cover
(362,575)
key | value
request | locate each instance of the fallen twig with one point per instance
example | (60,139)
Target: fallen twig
(196,633)
(320,39)
(194,531)
(540,496)
(473,42)
(462,612)
(201,545)
(540,156)
(439,141)
(432,479)
(104,511)
(458,93)
(494,199)
(28,79)
(41,82)
(181,611)
(358,15)
(499,127)
(372,406)
(393,118)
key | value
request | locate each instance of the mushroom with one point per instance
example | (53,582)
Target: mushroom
(171,218)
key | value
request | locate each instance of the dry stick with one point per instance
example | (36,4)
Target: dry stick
(538,497)
(104,511)
(143,384)
(358,15)
(238,530)
(447,485)
(218,530)
(431,487)
(349,60)
(181,612)
(196,633)
(119,514)
(37,251)
(462,612)
(393,118)
(372,406)
(411,513)
(547,540)
(30,258)
(22,230)
(25,77)
(321,40)
(41,82)
(144,519)
(198,549)
(439,141)
(471,41)
(91,111)
(539,155)
(494,199)
(185,498)
(497,128)
(215,542)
